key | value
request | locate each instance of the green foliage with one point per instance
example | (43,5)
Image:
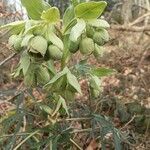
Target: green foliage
(90,10)
(51,15)
(35,8)
(42,41)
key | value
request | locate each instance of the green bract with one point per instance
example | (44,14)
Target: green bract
(54,52)
(38,44)
(98,38)
(86,46)
(15,41)
(42,75)
(98,51)
(74,46)
(90,31)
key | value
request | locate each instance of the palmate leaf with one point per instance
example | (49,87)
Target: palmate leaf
(61,103)
(57,76)
(35,8)
(90,10)
(62,78)
(108,127)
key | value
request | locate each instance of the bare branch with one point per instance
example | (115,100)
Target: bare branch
(138,20)
(130,28)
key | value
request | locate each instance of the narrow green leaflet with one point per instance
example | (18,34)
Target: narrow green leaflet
(14,27)
(46,108)
(51,67)
(90,10)
(51,15)
(35,8)
(68,16)
(77,30)
(24,62)
(16,73)
(72,80)
(61,103)
(32,25)
(117,139)
(100,23)
(57,76)
(13,24)
(64,104)
(101,72)
(95,82)
(55,40)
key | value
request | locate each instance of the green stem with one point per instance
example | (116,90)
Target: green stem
(66,53)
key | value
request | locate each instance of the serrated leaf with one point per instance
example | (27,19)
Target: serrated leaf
(98,23)
(101,72)
(26,40)
(51,15)
(35,8)
(68,16)
(90,10)
(52,37)
(77,30)
(72,80)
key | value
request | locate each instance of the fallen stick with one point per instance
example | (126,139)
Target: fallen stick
(7,59)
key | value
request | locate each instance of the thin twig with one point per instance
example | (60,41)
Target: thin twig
(7,59)
(128,123)
(84,130)
(77,119)
(23,141)
(131,28)
(138,20)
(19,134)
(71,140)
